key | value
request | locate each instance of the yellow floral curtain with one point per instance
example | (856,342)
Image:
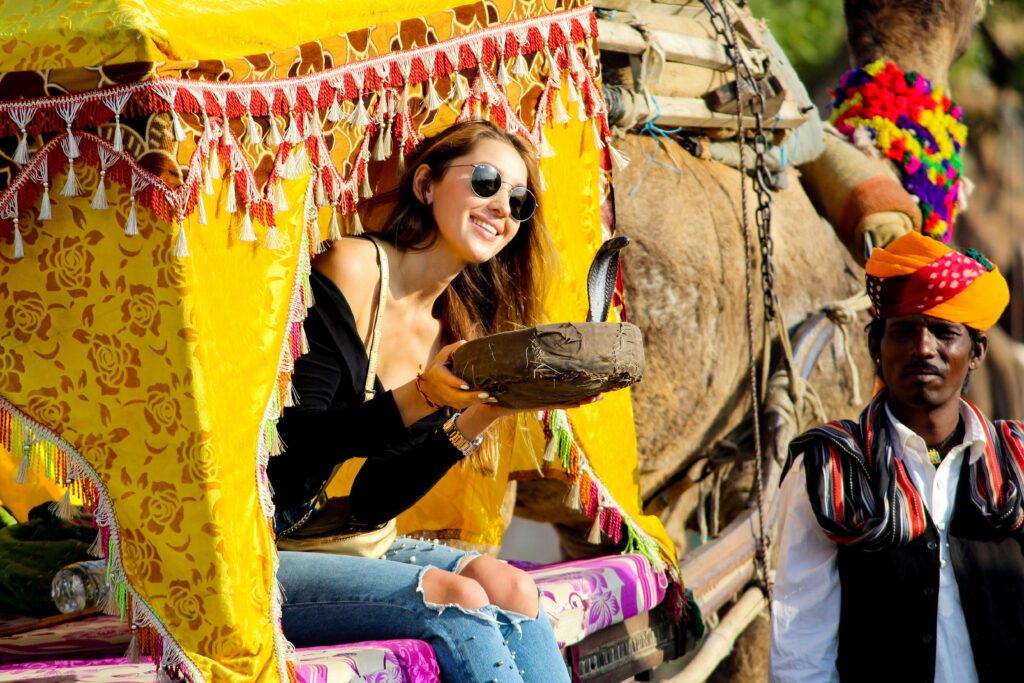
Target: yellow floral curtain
(164,184)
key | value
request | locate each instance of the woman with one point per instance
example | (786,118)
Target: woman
(467,255)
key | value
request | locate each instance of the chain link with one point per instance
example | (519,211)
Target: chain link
(747,85)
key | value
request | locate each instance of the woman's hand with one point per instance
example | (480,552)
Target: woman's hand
(438,386)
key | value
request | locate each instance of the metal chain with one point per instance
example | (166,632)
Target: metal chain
(746,84)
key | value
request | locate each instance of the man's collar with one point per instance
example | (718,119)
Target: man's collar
(974,432)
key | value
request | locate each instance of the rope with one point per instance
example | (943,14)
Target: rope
(660,136)
(844,313)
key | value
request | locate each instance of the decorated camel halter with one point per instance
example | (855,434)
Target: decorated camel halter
(916,126)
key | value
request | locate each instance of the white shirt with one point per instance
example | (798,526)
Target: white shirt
(806,600)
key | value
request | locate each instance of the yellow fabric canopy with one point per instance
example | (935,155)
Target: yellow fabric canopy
(175,169)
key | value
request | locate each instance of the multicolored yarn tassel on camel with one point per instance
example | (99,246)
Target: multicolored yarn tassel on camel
(916,126)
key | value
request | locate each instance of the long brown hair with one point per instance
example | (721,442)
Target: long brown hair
(503,293)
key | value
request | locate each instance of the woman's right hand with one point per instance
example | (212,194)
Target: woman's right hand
(438,386)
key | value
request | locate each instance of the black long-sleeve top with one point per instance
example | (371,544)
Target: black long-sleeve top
(331,423)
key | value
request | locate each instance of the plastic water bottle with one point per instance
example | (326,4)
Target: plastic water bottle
(80,586)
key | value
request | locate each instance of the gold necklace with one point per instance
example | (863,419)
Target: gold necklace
(934,454)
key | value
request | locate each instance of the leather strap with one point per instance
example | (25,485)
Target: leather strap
(371,371)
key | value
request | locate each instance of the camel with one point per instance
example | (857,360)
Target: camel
(686,288)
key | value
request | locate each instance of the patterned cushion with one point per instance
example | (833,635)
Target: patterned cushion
(382,661)
(584,596)
(580,597)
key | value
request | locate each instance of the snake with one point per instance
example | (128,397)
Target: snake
(604,271)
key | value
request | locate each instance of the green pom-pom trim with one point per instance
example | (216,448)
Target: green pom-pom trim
(980,258)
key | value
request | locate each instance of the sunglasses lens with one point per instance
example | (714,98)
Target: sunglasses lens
(486,180)
(522,204)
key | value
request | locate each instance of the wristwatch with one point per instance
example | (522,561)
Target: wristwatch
(458,439)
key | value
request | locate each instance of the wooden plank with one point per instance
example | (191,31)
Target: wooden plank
(694,113)
(618,37)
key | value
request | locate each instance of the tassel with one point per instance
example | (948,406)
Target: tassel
(96,547)
(292,135)
(111,606)
(357,225)
(503,77)
(132,655)
(214,161)
(131,226)
(560,114)
(275,133)
(572,498)
(62,509)
(99,200)
(335,114)
(255,134)
(594,537)
(519,66)
(320,195)
(280,199)
(72,151)
(546,150)
(21,153)
(549,451)
(19,246)
(179,133)
(335,229)
(208,182)
(303,349)
(181,245)
(432,100)
(201,208)
(22,474)
(248,233)
(273,242)
(45,212)
(382,149)
(231,205)
(275,440)
(572,95)
(359,117)
(619,160)
(118,138)
(598,142)
(459,87)
(71,186)
(365,191)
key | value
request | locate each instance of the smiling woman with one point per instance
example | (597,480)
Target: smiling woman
(463,254)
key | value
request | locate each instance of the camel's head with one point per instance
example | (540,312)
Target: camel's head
(926,36)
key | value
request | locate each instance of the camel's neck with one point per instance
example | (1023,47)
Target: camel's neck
(925,36)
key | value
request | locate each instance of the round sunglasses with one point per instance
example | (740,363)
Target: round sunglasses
(486,182)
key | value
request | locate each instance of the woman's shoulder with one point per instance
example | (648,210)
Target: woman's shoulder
(351,264)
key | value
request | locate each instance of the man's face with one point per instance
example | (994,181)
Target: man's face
(924,361)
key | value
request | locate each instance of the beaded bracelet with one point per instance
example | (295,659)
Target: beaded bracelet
(458,439)
(426,399)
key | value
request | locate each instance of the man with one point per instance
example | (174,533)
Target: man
(901,553)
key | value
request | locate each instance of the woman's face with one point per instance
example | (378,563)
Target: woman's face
(477,228)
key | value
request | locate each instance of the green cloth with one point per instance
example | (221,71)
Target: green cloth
(31,553)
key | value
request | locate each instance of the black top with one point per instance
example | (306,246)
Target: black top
(331,423)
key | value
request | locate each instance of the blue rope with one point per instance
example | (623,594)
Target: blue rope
(659,134)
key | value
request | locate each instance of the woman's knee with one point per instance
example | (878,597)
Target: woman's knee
(444,588)
(506,586)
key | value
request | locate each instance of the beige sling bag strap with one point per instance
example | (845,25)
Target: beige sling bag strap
(371,371)
(330,528)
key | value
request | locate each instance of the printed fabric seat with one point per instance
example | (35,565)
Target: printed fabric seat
(581,597)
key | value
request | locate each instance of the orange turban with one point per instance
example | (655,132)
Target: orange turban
(920,275)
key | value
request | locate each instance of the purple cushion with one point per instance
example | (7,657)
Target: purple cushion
(584,596)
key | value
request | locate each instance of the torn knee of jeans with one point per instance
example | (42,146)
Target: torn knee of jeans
(487,613)
(465,561)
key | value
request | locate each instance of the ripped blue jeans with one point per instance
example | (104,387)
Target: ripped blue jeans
(337,599)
